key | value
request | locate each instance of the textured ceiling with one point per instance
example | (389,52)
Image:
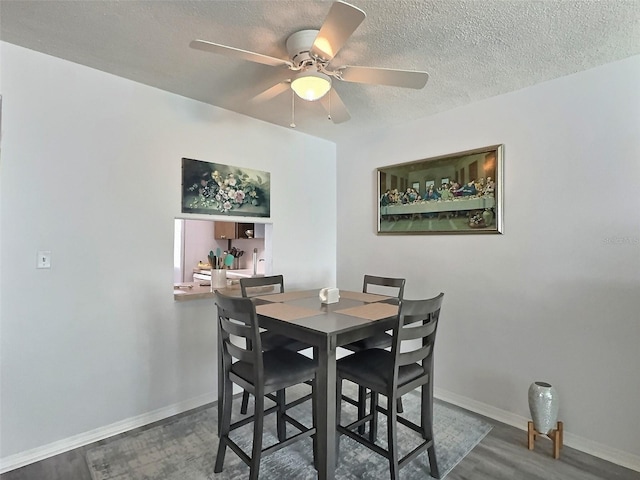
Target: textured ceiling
(471,49)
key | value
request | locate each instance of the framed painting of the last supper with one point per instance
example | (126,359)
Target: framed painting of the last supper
(450,194)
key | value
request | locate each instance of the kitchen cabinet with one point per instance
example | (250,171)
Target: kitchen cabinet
(231,230)
(224,230)
(242,230)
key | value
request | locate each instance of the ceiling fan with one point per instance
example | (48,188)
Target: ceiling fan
(311,53)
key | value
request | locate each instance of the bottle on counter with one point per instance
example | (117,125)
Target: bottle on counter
(255,262)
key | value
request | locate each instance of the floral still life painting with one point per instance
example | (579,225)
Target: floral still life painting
(217,189)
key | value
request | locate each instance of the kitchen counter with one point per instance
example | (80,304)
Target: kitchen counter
(196,291)
(231,273)
(243,273)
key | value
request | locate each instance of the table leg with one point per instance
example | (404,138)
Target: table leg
(326,385)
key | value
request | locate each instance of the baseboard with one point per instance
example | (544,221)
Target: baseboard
(40,453)
(596,449)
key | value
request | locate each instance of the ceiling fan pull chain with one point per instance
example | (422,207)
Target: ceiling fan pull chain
(293,110)
(329,115)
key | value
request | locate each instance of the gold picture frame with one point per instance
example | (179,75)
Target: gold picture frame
(458,193)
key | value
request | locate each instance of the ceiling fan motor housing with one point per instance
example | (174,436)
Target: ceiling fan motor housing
(299,45)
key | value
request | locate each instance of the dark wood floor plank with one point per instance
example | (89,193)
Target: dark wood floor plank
(503,455)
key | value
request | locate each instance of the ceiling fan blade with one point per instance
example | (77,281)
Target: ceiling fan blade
(342,20)
(336,110)
(239,53)
(272,92)
(384,76)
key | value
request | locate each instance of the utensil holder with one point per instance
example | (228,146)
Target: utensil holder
(218,278)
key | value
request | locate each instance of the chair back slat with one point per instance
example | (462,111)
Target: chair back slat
(250,287)
(383,286)
(238,331)
(239,352)
(417,321)
(415,356)
(234,328)
(411,332)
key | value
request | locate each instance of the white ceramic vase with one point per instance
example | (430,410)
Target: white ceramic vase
(543,404)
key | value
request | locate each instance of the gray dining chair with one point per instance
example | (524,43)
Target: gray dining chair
(263,373)
(393,287)
(409,365)
(256,286)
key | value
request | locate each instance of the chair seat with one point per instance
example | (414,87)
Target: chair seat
(373,369)
(271,341)
(379,340)
(281,366)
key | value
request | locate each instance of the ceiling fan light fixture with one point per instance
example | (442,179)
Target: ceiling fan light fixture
(311,85)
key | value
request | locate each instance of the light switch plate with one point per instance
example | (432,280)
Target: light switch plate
(44,259)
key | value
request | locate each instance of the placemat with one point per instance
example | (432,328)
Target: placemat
(371,311)
(283,311)
(288,296)
(363,297)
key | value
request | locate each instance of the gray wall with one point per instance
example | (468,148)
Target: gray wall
(556,297)
(91,170)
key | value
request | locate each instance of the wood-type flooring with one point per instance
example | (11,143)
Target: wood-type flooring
(501,455)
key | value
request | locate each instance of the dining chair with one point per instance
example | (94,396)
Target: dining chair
(407,366)
(263,373)
(255,286)
(393,287)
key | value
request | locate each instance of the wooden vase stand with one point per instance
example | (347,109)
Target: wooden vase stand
(555,435)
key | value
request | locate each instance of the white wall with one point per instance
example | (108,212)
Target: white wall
(556,297)
(91,170)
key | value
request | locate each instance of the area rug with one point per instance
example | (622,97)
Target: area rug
(185,449)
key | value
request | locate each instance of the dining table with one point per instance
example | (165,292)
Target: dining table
(301,315)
